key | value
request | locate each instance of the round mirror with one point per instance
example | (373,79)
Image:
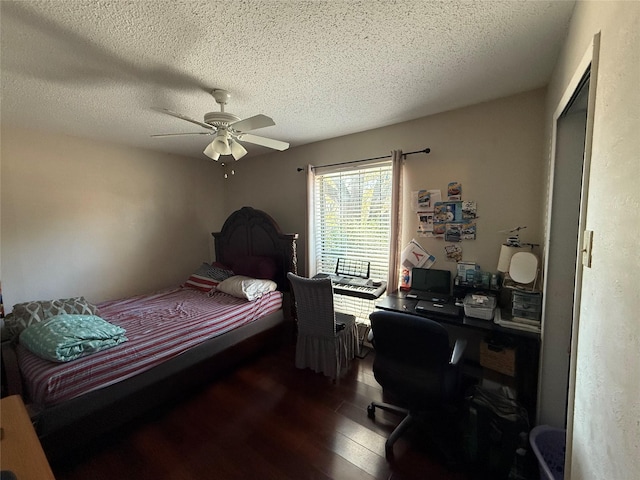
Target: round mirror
(524,267)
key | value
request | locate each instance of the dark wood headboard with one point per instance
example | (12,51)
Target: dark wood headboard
(251,233)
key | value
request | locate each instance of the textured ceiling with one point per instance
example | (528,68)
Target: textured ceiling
(320,69)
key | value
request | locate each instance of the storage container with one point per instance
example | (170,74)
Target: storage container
(500,358)
(549,446)
(530,314)
(527,298)
(527,305)
(480,306)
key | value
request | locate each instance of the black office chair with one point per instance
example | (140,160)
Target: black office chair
(413,362)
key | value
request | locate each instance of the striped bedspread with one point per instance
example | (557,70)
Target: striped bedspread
(159,327)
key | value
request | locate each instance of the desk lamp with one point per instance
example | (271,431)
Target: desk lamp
(520,268)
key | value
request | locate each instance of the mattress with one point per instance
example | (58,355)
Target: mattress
(158,327)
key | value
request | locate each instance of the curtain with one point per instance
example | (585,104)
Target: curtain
(310,265)
(397,159)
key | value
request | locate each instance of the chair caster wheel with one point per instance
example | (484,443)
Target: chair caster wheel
(371,412)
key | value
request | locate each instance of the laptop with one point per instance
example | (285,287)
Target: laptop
(432,289)
(429,284)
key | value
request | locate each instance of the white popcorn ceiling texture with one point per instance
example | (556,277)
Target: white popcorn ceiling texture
(320,69)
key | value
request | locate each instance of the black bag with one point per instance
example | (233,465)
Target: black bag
(496,427)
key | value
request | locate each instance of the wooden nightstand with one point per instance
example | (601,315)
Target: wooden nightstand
(21,450)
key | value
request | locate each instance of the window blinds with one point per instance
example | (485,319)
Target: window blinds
(352,212)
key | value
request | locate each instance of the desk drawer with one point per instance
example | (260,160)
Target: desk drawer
(530,314)
(528,299)
(526,306)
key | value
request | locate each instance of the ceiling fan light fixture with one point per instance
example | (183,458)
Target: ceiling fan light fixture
(228,129)
(237,150)
(221,143)
(211,153)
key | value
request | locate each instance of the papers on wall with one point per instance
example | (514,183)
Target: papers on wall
(469,210)
(455,221)
(425,224)
(453,253)
(423,203)
(452,220)
(413,256)
(454,191)
(424,200)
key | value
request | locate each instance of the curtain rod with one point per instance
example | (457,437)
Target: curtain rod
(426,150)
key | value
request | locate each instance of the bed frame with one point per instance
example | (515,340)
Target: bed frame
(250,233)
(246,233)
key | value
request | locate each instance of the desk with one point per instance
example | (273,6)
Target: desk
(21,449)
(397,302)
(527,344)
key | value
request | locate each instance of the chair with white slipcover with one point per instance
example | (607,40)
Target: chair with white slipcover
(327,340)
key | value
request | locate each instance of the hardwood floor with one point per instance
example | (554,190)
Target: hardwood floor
(264,420)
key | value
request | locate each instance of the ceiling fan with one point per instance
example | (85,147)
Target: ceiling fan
(228,129)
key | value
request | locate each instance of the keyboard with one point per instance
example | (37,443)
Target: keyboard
(360,291)
(355,286)
(357,282)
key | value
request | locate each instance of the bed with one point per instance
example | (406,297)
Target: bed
(176,339)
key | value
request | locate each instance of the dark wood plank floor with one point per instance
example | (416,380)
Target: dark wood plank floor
(264,420)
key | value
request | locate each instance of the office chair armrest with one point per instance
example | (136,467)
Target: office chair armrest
(458,351)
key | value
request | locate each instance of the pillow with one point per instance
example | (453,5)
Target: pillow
(256,267)
(207,277)
(246,287)
(23,315)
(74,306)
(200,282)
(66,337)
(217,271)
(30,313)
(223,267)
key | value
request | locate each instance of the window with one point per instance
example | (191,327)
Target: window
(352,220)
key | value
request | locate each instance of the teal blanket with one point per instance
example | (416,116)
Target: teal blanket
(66,337)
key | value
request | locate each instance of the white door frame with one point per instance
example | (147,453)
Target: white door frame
(588,61)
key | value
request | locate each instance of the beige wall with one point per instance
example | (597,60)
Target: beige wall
(494,149)
(606,432)
(86,218)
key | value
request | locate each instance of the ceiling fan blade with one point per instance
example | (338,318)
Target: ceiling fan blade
(265,142)
(253,123)
(183,117)
(179,134)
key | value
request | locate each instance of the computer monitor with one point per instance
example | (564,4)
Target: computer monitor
(431,280)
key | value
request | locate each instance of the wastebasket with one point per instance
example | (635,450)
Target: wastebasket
(549,446)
